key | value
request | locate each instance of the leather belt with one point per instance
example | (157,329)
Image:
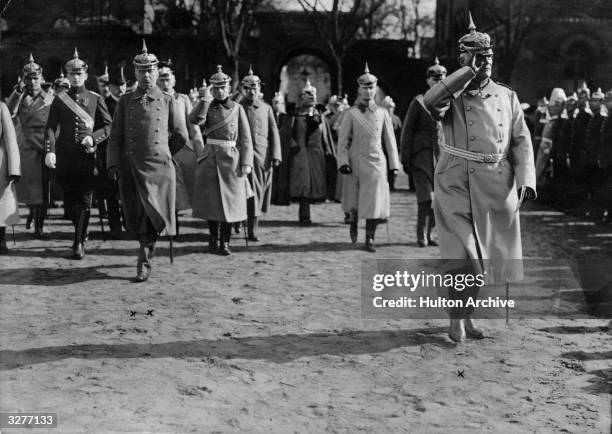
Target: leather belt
(222,143)
(474,156)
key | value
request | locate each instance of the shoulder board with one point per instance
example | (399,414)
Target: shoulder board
(167,93)
(505,85)
(94,93)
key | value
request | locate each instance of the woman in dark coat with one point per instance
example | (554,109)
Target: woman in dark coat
(419,151)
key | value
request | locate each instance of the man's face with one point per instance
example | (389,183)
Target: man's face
(608,102)
(34,83)
(557,108)
(432,81)
(486,60)
(251,92)
(582,100)
(595,104)
(122,89)
(146,77)
(367,93)
(309,98)
(104,89)
(77,79)
(221,93)
(166,83)
(570,105)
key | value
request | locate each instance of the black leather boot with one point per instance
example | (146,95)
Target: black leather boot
(431,223)
(370,232)
(304,212)
(213,240)
(3,248)
(145,255)
(252,224)
(39,221)
(422,217)
(226,233)
(354,221)
(81,219)
(30,217)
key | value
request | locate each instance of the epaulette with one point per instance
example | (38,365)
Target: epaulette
(505,85)
(167,93)
(95,93)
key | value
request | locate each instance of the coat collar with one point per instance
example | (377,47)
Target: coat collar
(485,92)
(371,106)
(153,93)
(228,103)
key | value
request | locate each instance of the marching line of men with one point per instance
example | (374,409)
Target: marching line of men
(573,149)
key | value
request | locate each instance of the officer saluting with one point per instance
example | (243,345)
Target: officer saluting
(221,184)
(486,160)
(266,149)
(84,122)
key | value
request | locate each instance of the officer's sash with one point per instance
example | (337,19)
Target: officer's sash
(225,121)
(76,109)
(365,123)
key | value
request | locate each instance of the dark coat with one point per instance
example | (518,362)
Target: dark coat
(280,178)
(71,155)
(146,132)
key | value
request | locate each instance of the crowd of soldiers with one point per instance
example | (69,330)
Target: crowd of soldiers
(143,155)
(573,148)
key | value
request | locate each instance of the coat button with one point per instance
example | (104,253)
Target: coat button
(472,170)
(157,130)
(472,138)
(498,109)
(471,123)
(468,108)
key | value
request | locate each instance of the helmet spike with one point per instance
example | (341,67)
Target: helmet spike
(366,70)
(437,61)
(76,53)
(219,68)
(471,26)
(250,69)
(106,70)
(144,47)
(121,73)
(31,59)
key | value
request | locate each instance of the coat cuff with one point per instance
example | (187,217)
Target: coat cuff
(458,80)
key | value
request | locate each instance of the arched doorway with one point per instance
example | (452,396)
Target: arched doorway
(294,73)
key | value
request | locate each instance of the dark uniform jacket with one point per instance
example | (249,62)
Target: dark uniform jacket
(147,131)
(71,155)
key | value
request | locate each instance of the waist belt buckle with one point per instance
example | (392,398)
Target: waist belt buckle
(489,158)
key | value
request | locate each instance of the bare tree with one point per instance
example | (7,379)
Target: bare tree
(338,25)
(513,21)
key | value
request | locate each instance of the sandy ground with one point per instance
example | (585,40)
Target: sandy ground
(271,339)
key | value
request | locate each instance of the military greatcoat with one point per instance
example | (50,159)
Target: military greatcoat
(30,116)
(9,165)
(475,202)
(266,147)
(220,185)
(365,134)
(146,132)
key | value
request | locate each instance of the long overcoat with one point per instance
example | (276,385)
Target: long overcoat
(30,116)
(220,190)
(476,202)
(146,132)
(9,165)
(185,159)
(363,134)
(266,147)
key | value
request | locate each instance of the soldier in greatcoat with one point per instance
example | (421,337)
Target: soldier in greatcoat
(419,153)
(311,147)
(605,159)
(221,175)
(29,105)
(185,159)
(593,175)
(78,122)
(484,174)
(266,150)
(280,177)
(147,131)
(365,130)
(10,173)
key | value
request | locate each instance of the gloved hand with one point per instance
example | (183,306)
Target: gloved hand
(113,173)
(14,178)
(50,160)
(204,92)
(394,173)
(345,170)
(246,170)
(88,143)
(528,195)
(275,163)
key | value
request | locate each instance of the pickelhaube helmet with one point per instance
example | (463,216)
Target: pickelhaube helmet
(166,68)
(583,89)
(219,78)
(608,95)
(573,97)
(366,79)
(145,60)
(436,70)
(32,69)
(309,88)
(75,64)
(557,96)
(475,42)
(250,79)
(104,78)
(598,94)
(61,81)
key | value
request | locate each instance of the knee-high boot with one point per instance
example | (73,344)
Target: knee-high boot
(252,226)
(304,211)
(3,248)
(39,221)
(370,233)
(213,240)
(422,217)
(353,223)
(145,256)
(431,223)
(226,233)
(30,217)
(81,221)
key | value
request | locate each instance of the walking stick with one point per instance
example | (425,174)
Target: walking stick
(171,251)
(507,296)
